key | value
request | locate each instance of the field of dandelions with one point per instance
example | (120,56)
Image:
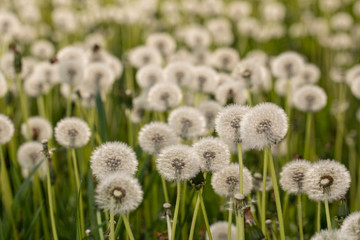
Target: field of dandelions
(180,119)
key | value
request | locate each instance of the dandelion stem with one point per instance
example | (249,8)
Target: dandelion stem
(263,199)
(249,96)
(205,216)
(241,190)
(127,227)
(176,213)
(309,117)
(192,228)
(98,219)
(41,106)
(78,190)
(23,105)
(230,219)
(166,196)
(168,223)
(112,230)
(68,103)
(318,217)
(327,212)
(299,213)
(277,196)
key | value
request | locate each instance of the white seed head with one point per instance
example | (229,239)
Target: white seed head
(99,76)
(292,176)
(71,72)
(42,49)
(164,96)
(178,163)
(144,55)
(309,98)
(326,180)
(113,157)
(233,91)
(352,74)
(155,136)
(210,109)
(227,122)
(29,155)
(163,42)
(3,86)
(214,154)
(72,132)
(204,79)
(188,122)
(179,72)
(331,234)
(258,182)
(76,54)
(310,74)
(219,231)
(264,125)
(226,181)
(225,59)
(287,65)
(248,73)
(355,87)
(120,188)
(197,37)
(40,129)
(149,75)
(35,85)
(6,129)
(47,71)
(351,226)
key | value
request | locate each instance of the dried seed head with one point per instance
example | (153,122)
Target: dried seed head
(164,96)
(179,72)
(287,65)
(248,73)
(351,226)
(40,129)
(309,98)
(144,55)
(72,132)
(219,231)
(232,91)
(210,109)
(149,75)
(292,176)
(330,234)
(29,155)
(6,129)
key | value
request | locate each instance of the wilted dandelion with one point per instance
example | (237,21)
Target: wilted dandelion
(40,129)
(164,96)
(72,132)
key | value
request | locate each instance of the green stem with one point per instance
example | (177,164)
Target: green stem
(277,196)
(112,229)
(230,219)
(299,213)
(205,216)
(166,196)
(168,223)
(78,190)
(182,211)
(50,198)
(327,211)
(41,106)
(249,100)
(98,220)
(308,136)
(127,227)
(68,102)
(176,213)
(318,217)
(240,219)
(263,199)
(192,228)
(24,108)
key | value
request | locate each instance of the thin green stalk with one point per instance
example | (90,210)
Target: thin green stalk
(205,216)
(50,198)
(318,217)
(263,199)
(24,108)
(78,191)
(327,212)
(166,196)
(182,211)
(112,229)
(299,213)
(240,219)
(249,100)
(41,106)
(340,126)
(192,228)
(352,168)
(127,227)
(168,223)
(277,195)
(98,220)
(176,213)
(230,219)
(309,117)
(68,101)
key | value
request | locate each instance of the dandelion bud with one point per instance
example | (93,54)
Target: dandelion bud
(343,211)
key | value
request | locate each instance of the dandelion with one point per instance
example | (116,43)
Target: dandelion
(219,231)
(310,98)
(264,125)
(144,55)
(214,154)
(227,123)
(3,85)
(330,234)
(310,74)
(179,72)
(225,58)
(164,96)
(231,91)
(149,75)
(72,53)
(99,76)
(43,49)
(197,37)
(35,85)
(72,132)
(187,122)
(210,109)
(40,129)
(287,65)
(204,79)
(29,155)
(352,74)
(292,176)
(248,73)
(355,87)
(163,42)
(155,136)
(71,72)
(351,226)
(178,163)
(258,180)
(47,72)
(113,157)
(226,181)
(6,129)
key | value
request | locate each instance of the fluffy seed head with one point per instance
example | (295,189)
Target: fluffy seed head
(43,49)
(226,181)
(179,72)
(3,85)
(326,180)
(6,129)
(352,74)
(99,76)
(355,87)
(71,72)
(310,74)
(29,155)
(227,122)
(214,154)
(232,91)
(330,234)
(248,73)
(113,157)
(149,75)
(225,58)
(310,98)
(210,109)
(188,122)
(178,163)
(155,136)
(120,188)
(164,96)
(258,181)
(287,65)
(204,79)
(144,55)
(264,125)
(36,85)
(163,42)
(292,176)
(219,231)
(72,132)
(351,226)
(40,129)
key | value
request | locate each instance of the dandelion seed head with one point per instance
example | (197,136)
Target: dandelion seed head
(6,129)
(164,96)
(163,42)
(233,91)
(178,163)
(310,74)
(292,176)
(149,75)
(99,76)
(73,53)
(247,72)
(155,136)
(204,79)
(214,154)
(326,180)
(144,55)
(179,72)
(72,132)
(210,109)
(225,58)
(29,155)
(330,234)
(226,181)
(309,98)
(258,181)
(35,86)
(42,49)
(351,226)
(113,157)
(40,129)
(47,71)
(264,125)
(188,122)
(71,72)
(120,188)
(197,37)
(3,85)
(219,231)
(287,65)
(355,87)
(227,122)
